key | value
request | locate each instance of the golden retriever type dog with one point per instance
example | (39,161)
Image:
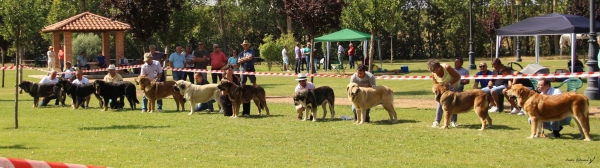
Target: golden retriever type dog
(460,102)
(197,93)
(311,99)
(364,98)
(159,90)
(242,94)
(543,108)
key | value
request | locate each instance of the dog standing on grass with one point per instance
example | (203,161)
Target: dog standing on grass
(311,99)
(364,98)
(461,102)
(159,90)
(197,93)
(243,94)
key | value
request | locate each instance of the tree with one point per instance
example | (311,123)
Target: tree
(490,24)
(316,17)
(89,43)
(22,20)
(144,16)
(181,23)
(271,49)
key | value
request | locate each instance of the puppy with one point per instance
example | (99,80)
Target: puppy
(543,108)
(242,94)
(197,93)
(310,99)
(461,102)
(37,90)
(116,104)
(364,98)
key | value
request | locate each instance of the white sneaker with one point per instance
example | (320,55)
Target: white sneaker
(515,111)
(521,113)
(246,115)
(494,109)
(144,110)
(435,124)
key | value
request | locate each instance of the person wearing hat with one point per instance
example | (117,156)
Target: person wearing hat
(112,75)
(364,79)
(217,60)
(152,70)
(51,58)
(69,71)
(246,59)
(302,84)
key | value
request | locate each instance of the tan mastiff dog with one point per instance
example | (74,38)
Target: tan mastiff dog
(460,102)
(552,108)
(364,98)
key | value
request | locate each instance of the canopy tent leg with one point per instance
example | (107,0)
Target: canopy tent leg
(573,51)
(498,39)
(328,57)
(537,49)
(379,52)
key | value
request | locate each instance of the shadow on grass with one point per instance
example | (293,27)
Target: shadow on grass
(414,92)
(19,146)
(262,116)
(493,127)
(123,127)
(268,85)
(573,136)
(388,122)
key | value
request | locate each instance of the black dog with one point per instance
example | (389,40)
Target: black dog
(36,90)
(114,90)
(311,99)
(117,105)
(77,92)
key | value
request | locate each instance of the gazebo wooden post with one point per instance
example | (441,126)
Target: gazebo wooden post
(68,47)
(106,46)
(119,44)
(56,46)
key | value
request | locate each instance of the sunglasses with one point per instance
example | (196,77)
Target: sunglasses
(482,66)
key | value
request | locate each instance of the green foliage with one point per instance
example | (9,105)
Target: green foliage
(270,49)
(60,10)
(88,42)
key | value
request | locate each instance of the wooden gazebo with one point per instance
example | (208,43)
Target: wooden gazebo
(88,22)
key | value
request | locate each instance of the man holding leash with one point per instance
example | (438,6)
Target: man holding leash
(302,84)
(543,86)
(112,75)
(80,80)
(153,71)
(51,78)
(363,79)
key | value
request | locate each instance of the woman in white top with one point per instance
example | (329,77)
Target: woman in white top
(51,58)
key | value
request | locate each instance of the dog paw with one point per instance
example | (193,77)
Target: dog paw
(304,119)
(587,139)
(314,120)
(530,137)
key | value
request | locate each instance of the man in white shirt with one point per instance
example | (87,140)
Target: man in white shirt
(51,58)
(458,66)
(79,80)
(286,61)
(341,54)
(302,84)
(298,54)
(153,71)
(544,88)
(51,78)
(69,71)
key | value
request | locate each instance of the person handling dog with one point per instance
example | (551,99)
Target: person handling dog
(112,75)
(544,87)
(205,105)
(443,74)
(302,84)
(226,104)
(363,79)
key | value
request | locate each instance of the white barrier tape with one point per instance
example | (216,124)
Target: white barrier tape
(383,77)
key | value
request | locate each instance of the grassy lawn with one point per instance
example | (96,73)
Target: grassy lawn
(174,139)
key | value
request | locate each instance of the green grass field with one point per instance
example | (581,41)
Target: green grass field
(174,139)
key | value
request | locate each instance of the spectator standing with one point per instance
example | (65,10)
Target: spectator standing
(299,57)
(351,52)
(233,60)
(160,57)
(152,70)
(458,66)
(51,58)
(189,62)
(177,60)
(61,58)
(285,59)
(306,53)
(340,53)
(247,62)
(201,56)
(217,60)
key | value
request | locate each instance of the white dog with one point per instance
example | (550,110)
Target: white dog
(197,93)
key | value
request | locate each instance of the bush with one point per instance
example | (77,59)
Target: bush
(271,50)
(88,42)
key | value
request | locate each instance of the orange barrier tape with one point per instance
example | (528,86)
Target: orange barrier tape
(23,163)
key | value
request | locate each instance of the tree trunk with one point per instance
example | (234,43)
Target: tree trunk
(289,24)
(312,57)
(17,60)
(3,71)
(222,27)
(371,49)
(391,51)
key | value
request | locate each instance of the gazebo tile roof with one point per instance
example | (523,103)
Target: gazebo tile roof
(87,22)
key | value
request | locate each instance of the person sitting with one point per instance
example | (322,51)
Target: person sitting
(544,88)
(101,60)
(482,71)
(496,86)
(122,61)
(207,105)
(51,78)
(302,84)
(578,65)
(82,61)
(523,81)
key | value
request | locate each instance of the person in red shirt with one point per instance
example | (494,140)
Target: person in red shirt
(61,58)
(351,52)
(217,60)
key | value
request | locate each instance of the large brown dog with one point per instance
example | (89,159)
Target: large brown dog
(552,108)
(460,102)
(364,98)
(242,94)
(159,90)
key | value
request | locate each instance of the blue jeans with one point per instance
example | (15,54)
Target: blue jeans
(86,66)
(308,66)
(351,61)
(439,112)
(204,106)
(298,64)
(61,63)
(178,75)
(159,103)
(367,118)
(555,125)
(189,75)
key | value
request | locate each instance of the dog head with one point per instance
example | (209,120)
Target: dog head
(521,92)
(438,90)
(352,89)
(63,84)
(300,96)
(98,86)
(25,86)
(142,81)
(226,85)
(181,86)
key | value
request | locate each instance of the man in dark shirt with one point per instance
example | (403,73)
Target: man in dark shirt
(201,58)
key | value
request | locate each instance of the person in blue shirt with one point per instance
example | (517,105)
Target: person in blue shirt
(246,59)
(177,60)
(482,83)
(101,60)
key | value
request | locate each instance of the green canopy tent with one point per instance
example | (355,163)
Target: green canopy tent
(349,35)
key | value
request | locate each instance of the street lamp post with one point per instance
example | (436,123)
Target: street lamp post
(471,53)
(591,92)
(518,3)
